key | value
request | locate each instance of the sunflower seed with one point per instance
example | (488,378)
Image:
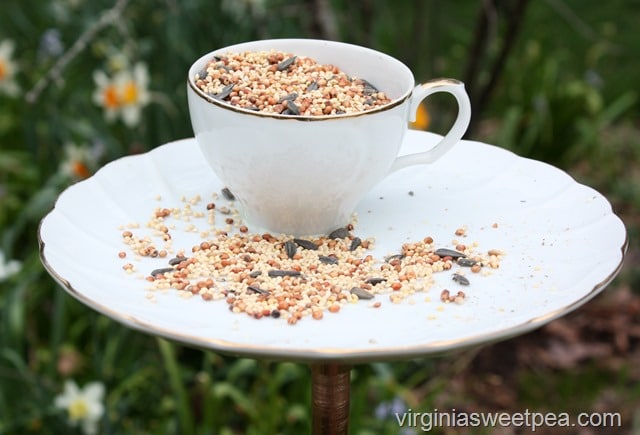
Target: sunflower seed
(224,93)
(327,259)
(340,233)
(312,86)
(390,258)
(286,63)
(460,279)
(444,252)
(258,290)
(274,273)
(177,260)
(355,243)
(290,97)
(306,244)
(466,262)
(368,87)
(374,281)
(255,274)
(292,108)
(227,194)
(161,271)
(290,248)
(361,293)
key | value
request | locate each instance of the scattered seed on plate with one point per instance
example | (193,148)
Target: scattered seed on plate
(267,276)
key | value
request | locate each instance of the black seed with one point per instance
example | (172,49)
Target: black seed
(286,63)
(290,248)
(277,272)
(312,86)
(177,260)
(355,243)
(374,281)
(224,93)
(361,293)
(466,262)
(255,274)
(340,233)
(306,244)
(275,314)
(444,252)
(340,112)
(227,194)
(162,270)
(460,279)
(202,74)
(327,259)
(258,290)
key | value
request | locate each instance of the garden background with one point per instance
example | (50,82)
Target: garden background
(83,83)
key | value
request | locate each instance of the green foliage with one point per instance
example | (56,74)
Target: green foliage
(553,116)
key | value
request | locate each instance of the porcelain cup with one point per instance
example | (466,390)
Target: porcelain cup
(304,175)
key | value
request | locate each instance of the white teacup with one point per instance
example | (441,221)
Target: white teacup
(304,175)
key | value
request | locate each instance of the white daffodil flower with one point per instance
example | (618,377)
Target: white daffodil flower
(8,268)
(124,95)
(83,406)
(8,69)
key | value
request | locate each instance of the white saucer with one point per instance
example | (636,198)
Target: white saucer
(562,243)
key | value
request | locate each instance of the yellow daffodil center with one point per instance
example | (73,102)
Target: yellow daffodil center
(130,93)
(80,170)
(78,409)
(110,97)
(3,70)
(422,118)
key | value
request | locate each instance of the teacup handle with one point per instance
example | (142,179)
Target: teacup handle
(422,91)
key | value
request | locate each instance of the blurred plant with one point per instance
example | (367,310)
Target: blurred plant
(80,161)
(8,69)
(125,95)
(553,117)
(83,405)
(8,268)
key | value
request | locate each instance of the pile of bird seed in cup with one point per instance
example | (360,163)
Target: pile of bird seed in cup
(282,83)
(262,275)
